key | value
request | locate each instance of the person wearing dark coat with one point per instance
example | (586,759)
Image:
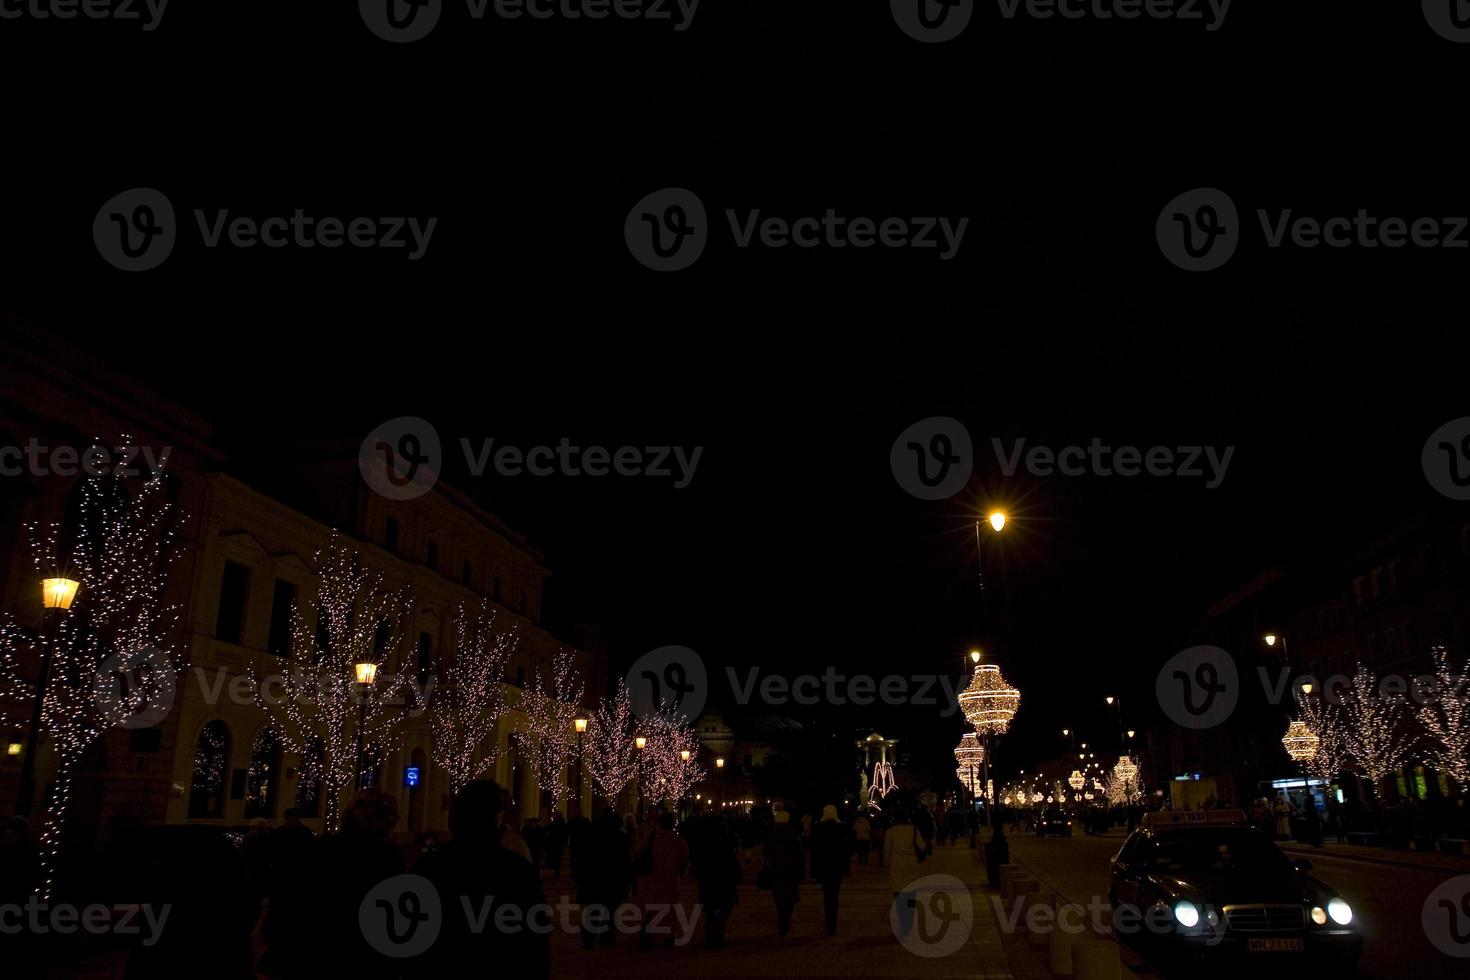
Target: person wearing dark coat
(831,847)
(717,868)
(783,869)
(556,844)
(478,880)
(603,872)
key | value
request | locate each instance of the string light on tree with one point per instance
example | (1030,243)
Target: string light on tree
(668,768)
(469,699)
(1446,719)
(117,627)
(551,707)
(1372,730)
(359,620)
(612,755)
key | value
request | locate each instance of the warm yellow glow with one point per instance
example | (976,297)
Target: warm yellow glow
(720,763)
(1306,688)
(974,656)
(13,748)
(1300,742)
(1110,700)
(1066,731)
(581,725)
(366,673)
(989,703)
(58,593)
(684,755)
(997,519)
(640,742)
(1131,733)
(1270,639)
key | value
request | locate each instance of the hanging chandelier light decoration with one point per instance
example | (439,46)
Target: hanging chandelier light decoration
(989,702)
(1300,742)
(1126,770)
(969,753)
(1076,780)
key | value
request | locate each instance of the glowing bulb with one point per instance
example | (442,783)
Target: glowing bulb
(58,593)
(997,519)
(640,742)
(581,725)
(1270,639)
(366,673)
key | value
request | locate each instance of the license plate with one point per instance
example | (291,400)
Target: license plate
(1275,945)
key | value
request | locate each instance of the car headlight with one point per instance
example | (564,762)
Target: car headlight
(1340,911)
(1319,915)
(1187,914)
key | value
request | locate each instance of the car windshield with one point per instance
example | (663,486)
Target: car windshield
(1205,850)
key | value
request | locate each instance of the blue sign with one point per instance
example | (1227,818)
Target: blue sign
(411,776)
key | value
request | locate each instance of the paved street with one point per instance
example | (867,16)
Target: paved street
(1386,899)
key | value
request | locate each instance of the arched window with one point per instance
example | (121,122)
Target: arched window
(311,770)
(211,761)
(263,780)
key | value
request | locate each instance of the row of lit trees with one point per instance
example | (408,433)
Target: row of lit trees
(1372,732)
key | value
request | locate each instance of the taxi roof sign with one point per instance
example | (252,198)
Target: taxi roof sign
(1194,818)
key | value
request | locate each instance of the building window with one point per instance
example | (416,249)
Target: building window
(282,602)
(390,534)
(433,557)
(211,758)
(264,775)
(229,626)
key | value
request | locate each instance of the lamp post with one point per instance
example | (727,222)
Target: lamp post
(57,595)
(580,724)
(366,673)
(989,704)
(997,520)
(640,743)
(720,765)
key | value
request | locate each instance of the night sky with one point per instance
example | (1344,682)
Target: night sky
(1059,320)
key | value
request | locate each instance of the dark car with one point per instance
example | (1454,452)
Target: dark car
(1054,823)
(1210,887)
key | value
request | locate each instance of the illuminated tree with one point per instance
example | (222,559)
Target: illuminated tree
(665,775)
(359,620)
(468,699)
(1125,784)
(1446,717)
(1325,721)
(1372,728)
(612,757)
(551,707)
(111,662)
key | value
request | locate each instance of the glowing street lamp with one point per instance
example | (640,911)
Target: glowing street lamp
(998,520)
(57,595)
(365,673)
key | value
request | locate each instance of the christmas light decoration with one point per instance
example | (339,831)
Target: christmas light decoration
(1076,780)
(359,620)
(551,706)
(112,579)
(665,775)
(1300,742)
(612,757)
(1124,787)
(469,699)
(989,702)
(1372,730)
(1446,719)
(883,782)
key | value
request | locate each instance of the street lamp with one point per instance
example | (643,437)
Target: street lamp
(580,725)
(997,521)
(366,673)
(57,595)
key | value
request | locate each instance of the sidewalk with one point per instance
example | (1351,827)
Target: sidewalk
(865,945)
(1379,855)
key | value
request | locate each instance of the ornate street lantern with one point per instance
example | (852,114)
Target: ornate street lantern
(1076,780)
(989,702)
(1300,742)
